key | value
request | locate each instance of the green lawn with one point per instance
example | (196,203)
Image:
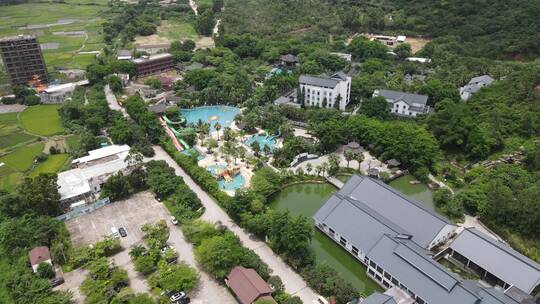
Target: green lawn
(8,119)
(73,142)
(53,164)
(21,159)
(177,30)
(9,182)
(42,120)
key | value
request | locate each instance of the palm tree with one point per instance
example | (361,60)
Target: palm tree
(324,167)
(309,168)
(217,126)
(318,169)
(349,155)
(359,157)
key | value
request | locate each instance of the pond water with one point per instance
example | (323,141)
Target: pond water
(262,140)
(306,199)
(211,114)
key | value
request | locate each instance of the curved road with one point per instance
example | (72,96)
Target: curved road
(294,283)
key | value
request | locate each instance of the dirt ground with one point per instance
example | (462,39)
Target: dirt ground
(152,39)
(59,144)
(416,43)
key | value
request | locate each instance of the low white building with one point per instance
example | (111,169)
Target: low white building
(124,55)
(326,91)
(345,56)
(404,104)
(60,93)
(474,86)
(80,185)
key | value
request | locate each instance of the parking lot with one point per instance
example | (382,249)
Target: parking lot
(131,214)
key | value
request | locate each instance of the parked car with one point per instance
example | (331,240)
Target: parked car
(114,232)
(185,300)
(57,281)
(164,248)
(122,231)
(177,296)
(174,220)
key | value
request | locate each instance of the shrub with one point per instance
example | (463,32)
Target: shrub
(45,270)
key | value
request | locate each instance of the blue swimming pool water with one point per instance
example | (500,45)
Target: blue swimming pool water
(211,114)
(263,140)
(237,182)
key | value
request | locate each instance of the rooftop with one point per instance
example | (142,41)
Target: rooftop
(101,153)
(408,98)
(152,57)
(18,37)
(39,254)
(247,285)
(323,81)
(497,258)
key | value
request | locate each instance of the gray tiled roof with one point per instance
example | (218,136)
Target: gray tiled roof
(498,259)
(379,298)
(424,224)
(482,79)
(319,81)
(408,98)
(406,262)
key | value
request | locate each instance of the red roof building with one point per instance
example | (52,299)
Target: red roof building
(39,255)
(248,286)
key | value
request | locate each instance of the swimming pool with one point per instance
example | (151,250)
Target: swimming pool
(223,114)
(262,140)
(237,182)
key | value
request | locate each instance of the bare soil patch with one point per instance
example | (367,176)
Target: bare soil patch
(152,39)
(417,43)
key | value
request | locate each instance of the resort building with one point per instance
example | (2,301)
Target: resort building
(80,185)
(60,93)
(494,262)
(474,86)
(404,104)
(325,91)
(124,55)
(147,65)
(23,59)
(396,237)
(288,61)
(248,286)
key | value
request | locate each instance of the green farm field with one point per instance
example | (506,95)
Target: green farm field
(46,20)
(42,120)
(53,164)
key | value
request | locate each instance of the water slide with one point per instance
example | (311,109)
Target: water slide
(179,134)
(170,122)
(171,135)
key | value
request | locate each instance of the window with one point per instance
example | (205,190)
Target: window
(386,284)
(371,272)
(395,281)
(387,275)
(372,264)
(379,269)
(342,241)
(355,250)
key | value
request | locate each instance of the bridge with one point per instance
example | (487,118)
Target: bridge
(335,182)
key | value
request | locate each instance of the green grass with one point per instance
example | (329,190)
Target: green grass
(8,119)
(42,120)
(9,182)
(177,30)
(73,142)
(86,16)
(14,138)
(53,164)
(21,159)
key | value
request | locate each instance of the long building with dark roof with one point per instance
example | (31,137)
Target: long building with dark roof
(393,236)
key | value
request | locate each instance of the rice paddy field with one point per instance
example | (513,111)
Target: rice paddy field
(42,120)
(64,28)
(23,137)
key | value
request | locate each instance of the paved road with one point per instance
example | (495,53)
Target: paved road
(294,284)
(111,100)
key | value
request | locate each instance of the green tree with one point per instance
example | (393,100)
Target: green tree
(376,107)
(181,277)
(45,270)
(205,23)
(153,82)
(117,187)
(41,193)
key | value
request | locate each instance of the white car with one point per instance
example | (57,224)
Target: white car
(177,296)
(114,232)
(174,220)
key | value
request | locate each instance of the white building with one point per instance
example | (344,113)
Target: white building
(345,56)
(326,91)
(60,93)
(80,185)
(404,104)
(474,86)
(124,55)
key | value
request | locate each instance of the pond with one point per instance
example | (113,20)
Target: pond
(262,140)
(306,199)
(211,114)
